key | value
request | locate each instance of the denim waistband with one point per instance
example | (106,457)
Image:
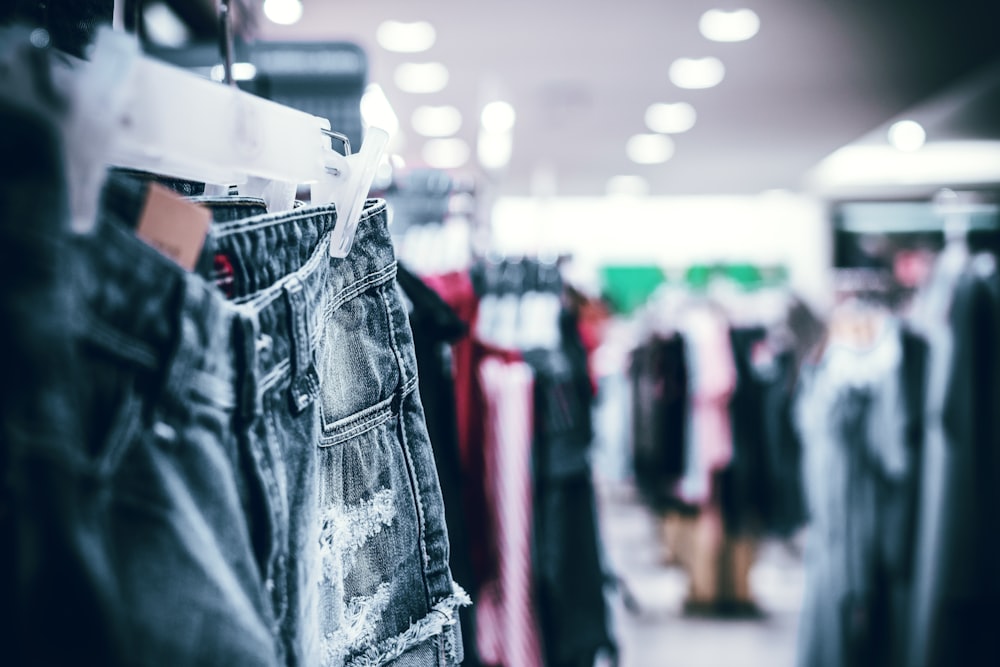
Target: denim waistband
(273,268)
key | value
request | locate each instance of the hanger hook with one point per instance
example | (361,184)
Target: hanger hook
(226,37)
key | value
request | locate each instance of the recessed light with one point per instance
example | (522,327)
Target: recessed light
(442,121)
(283,12)
(446,153)
(695,73)
(907,135)
(401,37)
(729,26)
(498,116)
(649,148)
(670,118)
(421,77)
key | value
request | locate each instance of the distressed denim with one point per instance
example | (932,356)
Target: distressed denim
(162,355)
(273,268)
(387,595)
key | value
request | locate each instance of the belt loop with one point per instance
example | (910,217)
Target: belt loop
(248,398)
(304,377)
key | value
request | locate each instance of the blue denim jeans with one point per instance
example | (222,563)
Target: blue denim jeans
(159,393)
(248,522)
(357,549)
(273,269)
(387,596)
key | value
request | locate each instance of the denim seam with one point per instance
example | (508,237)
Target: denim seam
(211,390)
(374,279)
(364,420)
(267,475)
(295,293)
(266,220)
(404,444)
(228,202)
(118,343)
(279,533)
(270,219)
(121,436)
(265,297)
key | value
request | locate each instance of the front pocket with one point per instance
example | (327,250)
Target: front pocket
(373,585)
(357,365)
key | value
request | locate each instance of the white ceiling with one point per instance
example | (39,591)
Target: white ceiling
(580,74)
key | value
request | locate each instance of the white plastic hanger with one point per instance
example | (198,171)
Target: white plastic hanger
(168,121)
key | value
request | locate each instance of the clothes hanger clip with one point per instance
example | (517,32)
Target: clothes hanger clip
(347,182)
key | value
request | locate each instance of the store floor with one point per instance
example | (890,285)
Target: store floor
(656,633)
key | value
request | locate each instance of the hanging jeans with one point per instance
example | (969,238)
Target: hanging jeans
(356,555)
(166,459)
(388,595)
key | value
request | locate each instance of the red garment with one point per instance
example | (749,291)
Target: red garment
(508,630)
(467,356)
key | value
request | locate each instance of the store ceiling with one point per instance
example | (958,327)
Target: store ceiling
(581,74)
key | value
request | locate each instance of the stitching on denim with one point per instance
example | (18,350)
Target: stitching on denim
(368,418)
(265,297)
(121,344)
(441,616)
(404,444)
(357,424)
(276,375)
(265,220)
(374,279)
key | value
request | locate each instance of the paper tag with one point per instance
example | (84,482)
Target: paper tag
(174,226)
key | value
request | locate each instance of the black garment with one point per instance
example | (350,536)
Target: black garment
(569,575)
(659,379)
(57,590)
(786,511)
(957,602)
(860,414)
(435,326)
(745,485)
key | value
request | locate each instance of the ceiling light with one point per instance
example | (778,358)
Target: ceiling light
(670,118)
(907,135)
(697,72)
(494,149)
(283,12)
(421,77)
(376,111)
(446,153)
(628,186)
(405,37)
(650,148)
(436,121)
(735,26)
(498,116)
